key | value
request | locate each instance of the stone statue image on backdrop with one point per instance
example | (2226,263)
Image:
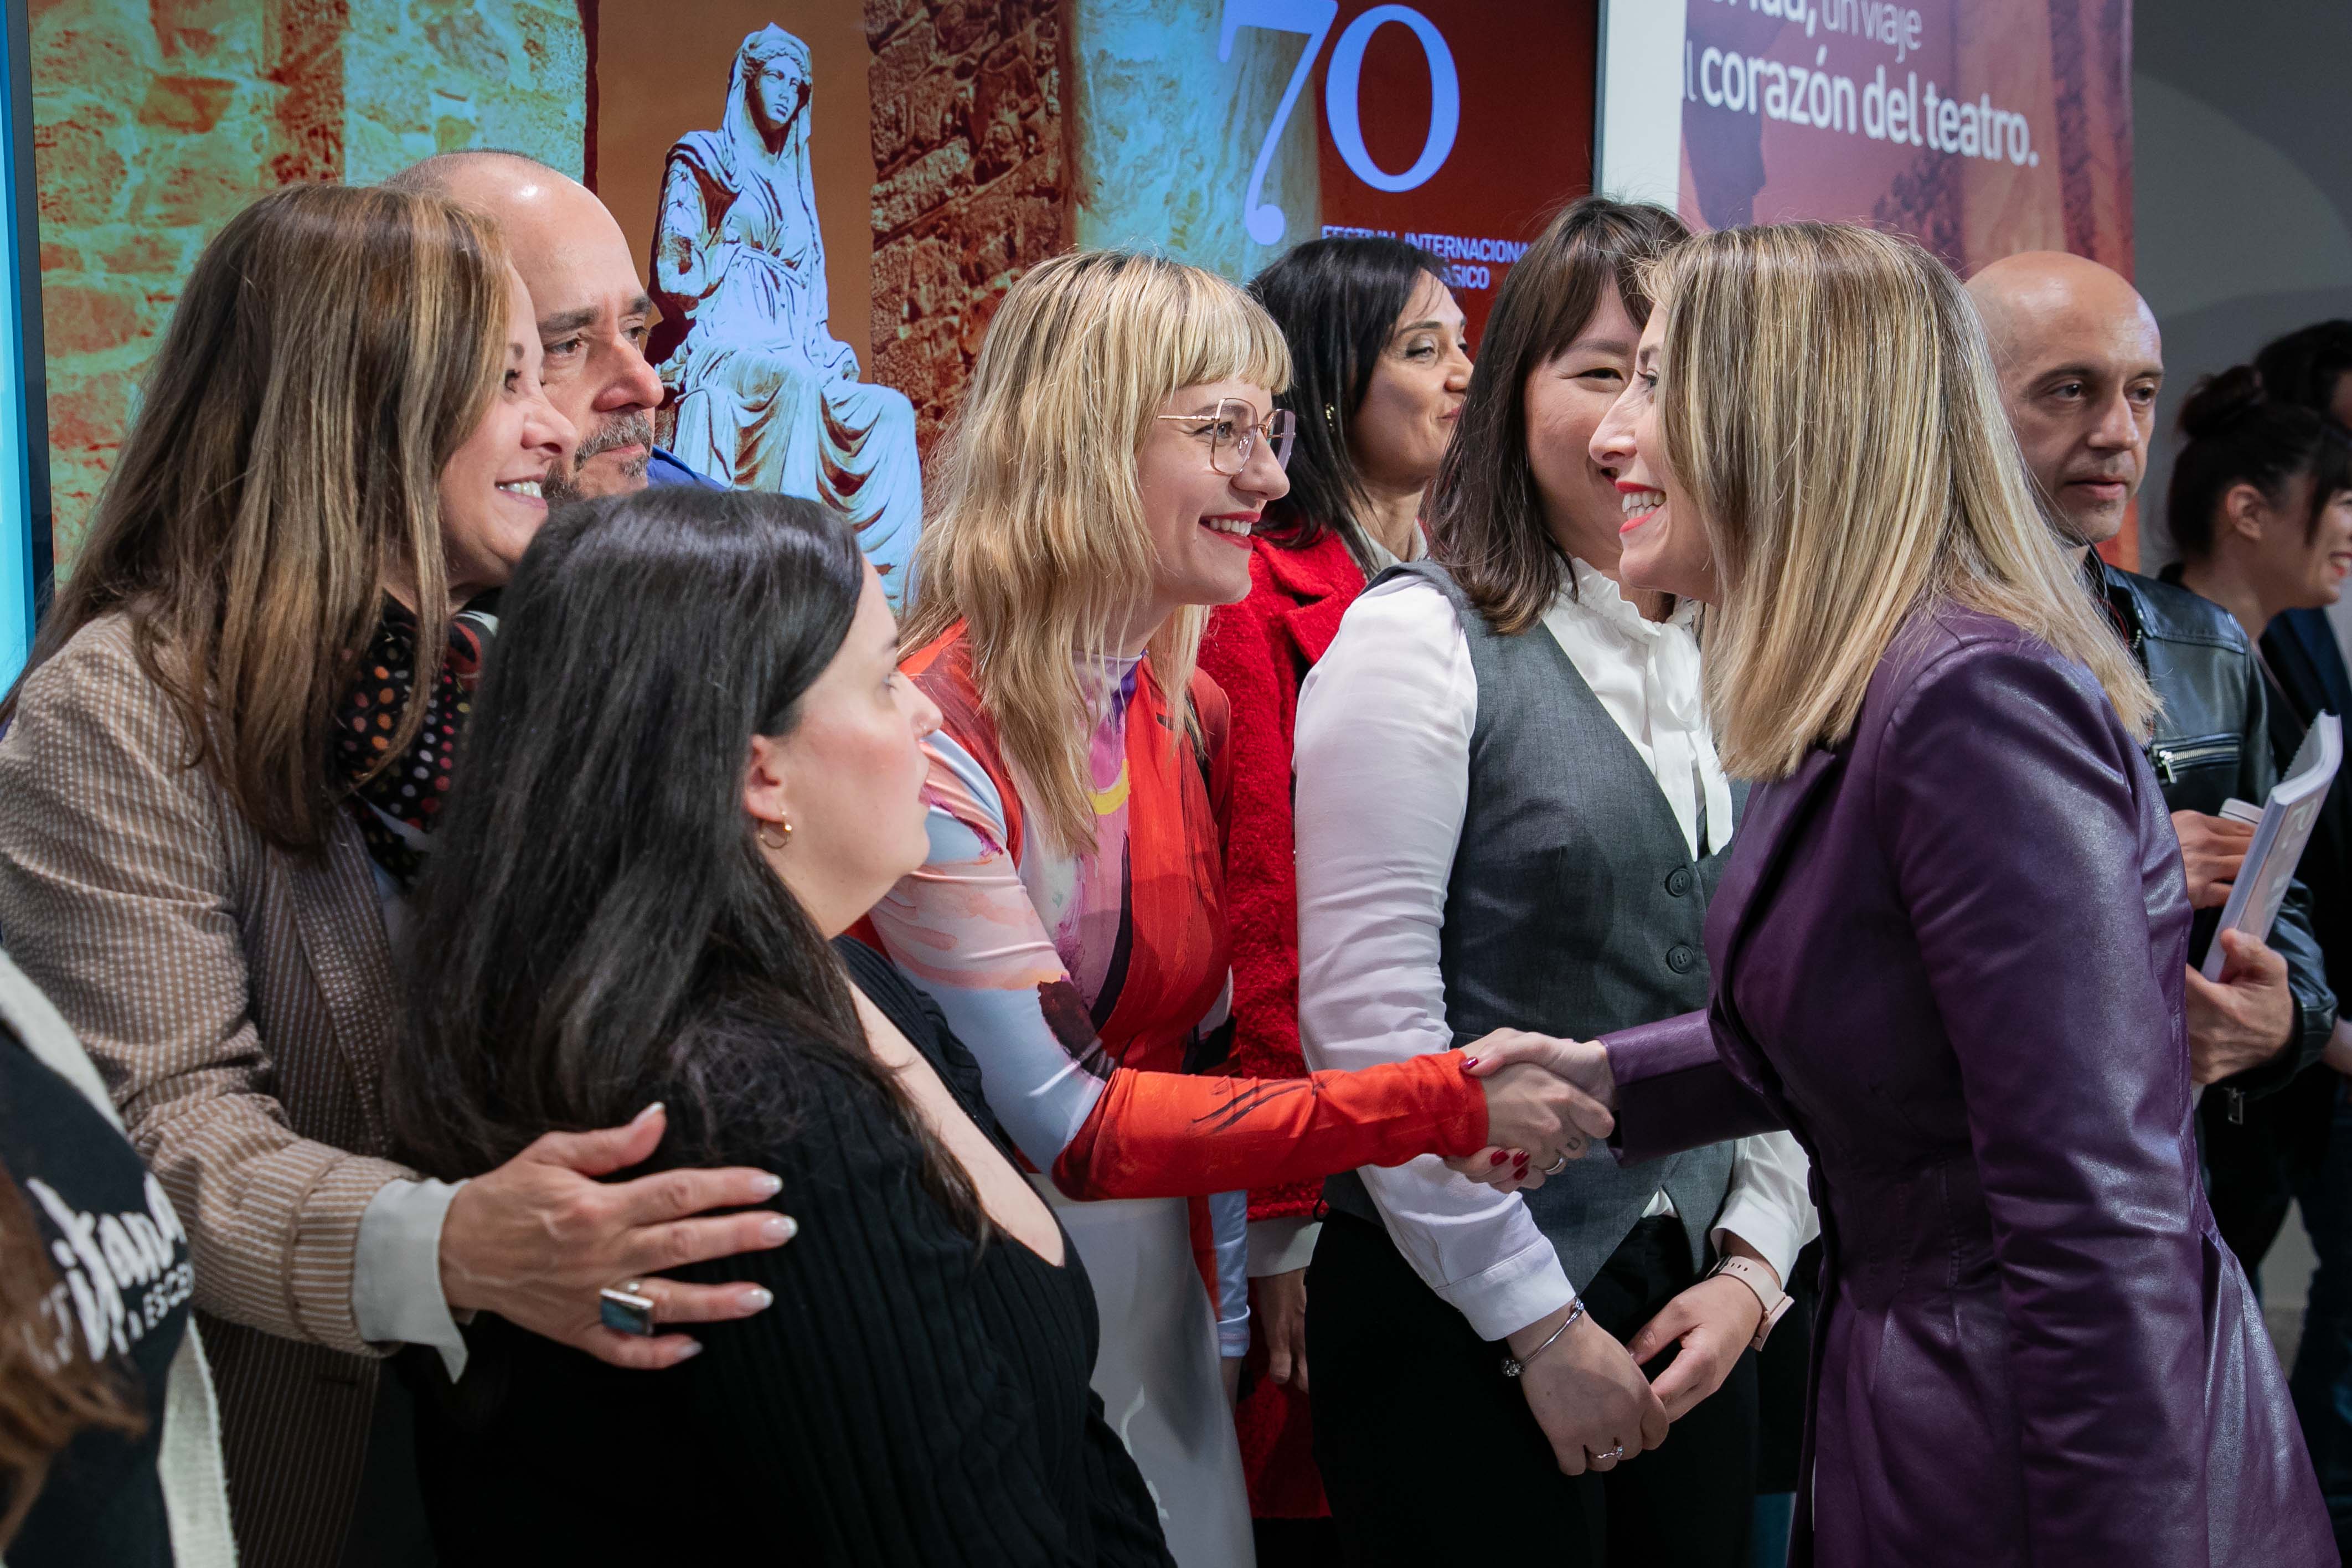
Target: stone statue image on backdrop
(767,398)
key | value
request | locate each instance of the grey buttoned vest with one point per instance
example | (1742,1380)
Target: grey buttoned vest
(1573,909)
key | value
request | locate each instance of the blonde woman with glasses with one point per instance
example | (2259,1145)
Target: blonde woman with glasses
(1949,950)
(1095,496)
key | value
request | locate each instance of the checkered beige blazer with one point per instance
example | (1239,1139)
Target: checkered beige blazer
(241,1004)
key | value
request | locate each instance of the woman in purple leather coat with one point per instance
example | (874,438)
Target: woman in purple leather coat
(1949,947)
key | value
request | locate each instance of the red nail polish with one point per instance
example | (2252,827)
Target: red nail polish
(1469,1061)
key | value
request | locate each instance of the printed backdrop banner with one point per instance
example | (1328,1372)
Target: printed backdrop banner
(830,201)
(828,197)
(1462,129)
(1984,127)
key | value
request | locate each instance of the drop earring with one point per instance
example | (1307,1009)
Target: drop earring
(783,837)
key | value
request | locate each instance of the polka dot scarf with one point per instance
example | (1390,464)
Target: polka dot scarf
(396,806)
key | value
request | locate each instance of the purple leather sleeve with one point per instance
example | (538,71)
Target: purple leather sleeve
(2008,809)
(1675,1093)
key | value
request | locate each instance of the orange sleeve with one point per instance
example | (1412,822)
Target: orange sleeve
(1162,1134)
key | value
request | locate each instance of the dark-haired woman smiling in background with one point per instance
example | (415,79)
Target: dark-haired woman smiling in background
(1379,368)
(694,763)
(2261,510)
(2260,502)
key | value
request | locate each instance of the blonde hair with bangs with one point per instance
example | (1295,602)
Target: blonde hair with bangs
(1035,537)
(1829,408)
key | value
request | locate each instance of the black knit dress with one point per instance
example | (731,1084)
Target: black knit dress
(906,1401)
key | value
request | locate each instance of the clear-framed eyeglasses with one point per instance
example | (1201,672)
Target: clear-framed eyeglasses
(1234,431)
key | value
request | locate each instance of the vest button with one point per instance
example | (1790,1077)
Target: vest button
(1678,881)
(1681,958)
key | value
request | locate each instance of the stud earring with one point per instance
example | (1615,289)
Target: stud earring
(783,837)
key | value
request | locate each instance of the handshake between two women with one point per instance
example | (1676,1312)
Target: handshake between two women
(1599,1401)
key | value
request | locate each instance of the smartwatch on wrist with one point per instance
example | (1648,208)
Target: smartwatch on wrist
(1759,1278)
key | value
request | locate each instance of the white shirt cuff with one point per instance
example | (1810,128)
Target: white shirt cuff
(1757,1225)
(1525,1287)
(1768,1206)
(1282,1245)
(396,1272)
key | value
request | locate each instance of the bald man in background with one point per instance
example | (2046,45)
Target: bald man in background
(2080,360)
(592,311)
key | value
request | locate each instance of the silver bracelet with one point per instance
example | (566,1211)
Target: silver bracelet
(1514,1364)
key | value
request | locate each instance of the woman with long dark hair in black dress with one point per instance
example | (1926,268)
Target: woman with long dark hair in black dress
(693,765)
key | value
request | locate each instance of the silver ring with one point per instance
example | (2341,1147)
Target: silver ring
(625,1309)
(1557,1166)
(1618,1452)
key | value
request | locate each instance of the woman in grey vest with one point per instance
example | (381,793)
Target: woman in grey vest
(1510,814)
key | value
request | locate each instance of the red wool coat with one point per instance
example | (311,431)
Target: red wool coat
(1259,651)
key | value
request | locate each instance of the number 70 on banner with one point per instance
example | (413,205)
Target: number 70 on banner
(1313,18)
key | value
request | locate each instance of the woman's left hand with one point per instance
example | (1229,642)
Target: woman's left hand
(1713,1321)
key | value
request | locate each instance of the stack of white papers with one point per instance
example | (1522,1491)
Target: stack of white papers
(2277,849)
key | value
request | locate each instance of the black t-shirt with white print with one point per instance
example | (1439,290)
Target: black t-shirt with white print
(123,1281)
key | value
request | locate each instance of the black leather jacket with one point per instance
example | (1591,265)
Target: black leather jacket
(2212,742)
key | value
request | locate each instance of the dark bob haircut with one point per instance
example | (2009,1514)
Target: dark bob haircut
(1487,520)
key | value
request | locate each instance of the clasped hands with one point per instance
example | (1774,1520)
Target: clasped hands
(1547,1100)
(1586,1390)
